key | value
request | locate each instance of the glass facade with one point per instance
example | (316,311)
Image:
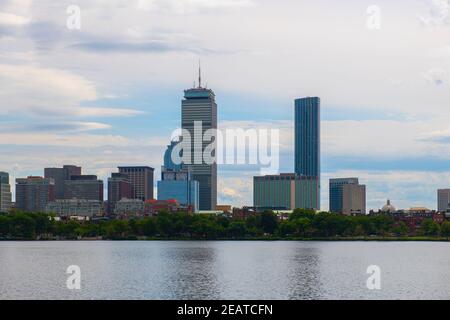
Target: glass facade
(184,191)
(336,193)
(307,138)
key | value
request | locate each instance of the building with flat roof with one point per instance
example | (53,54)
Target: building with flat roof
(59,175)
(75,208)
(287,191)
(84,187)
(307,138)
(34,193)
(443,200)
(141,181)
(119,187)
(354,199)
(5,192)
(347,196)
(129,207)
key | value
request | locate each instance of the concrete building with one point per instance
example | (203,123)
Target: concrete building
(177,182)
(141,181)
(119,187)
(354,199)
(129,207)
(199,111)
(59,175)
(286,191)
(443,199)
(347,196)
(5,192)
(34,193)
(75,208)
(84,187)
(307,139)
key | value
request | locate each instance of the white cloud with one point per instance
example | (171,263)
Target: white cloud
(439,13)
(13,19)
(191,6)
(50,92)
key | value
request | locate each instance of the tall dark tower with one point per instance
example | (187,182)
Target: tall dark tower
(199,107)
(307,138)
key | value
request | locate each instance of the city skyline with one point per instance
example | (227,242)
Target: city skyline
(383,116)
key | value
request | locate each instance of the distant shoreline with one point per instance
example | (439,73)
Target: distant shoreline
(268,239)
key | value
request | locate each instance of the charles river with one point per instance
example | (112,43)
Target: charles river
(224,270)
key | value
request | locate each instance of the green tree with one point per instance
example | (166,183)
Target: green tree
(237,229)
(286,228)
(429,228)
(23,226)
(400,228)
(148,227)
(4,226)
(269,222)
(118,229)
(302,213)
(164,224)
(445,229)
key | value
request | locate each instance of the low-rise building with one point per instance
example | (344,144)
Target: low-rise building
(75,208)
(129,207)
(153,207)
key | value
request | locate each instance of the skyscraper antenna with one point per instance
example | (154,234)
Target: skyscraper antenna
(199,74)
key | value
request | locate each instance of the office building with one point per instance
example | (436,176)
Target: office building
(34,193)
(59,175)
(347,196)
(443,196)
(75,208)
(5,192)
(307,138)
(119,187)
(141,181)
(177,182)
(354,199)
(286,191)
(199,110)
(129,207)
(83,187)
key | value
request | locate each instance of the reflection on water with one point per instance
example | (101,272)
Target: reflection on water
(303,278)
(224,270)
(189,273)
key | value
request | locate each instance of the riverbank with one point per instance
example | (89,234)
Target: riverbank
(293,239)
(301,225)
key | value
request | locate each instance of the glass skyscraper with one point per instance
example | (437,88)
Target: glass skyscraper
(307,139)
(177,182)
(307,136)
(199,108)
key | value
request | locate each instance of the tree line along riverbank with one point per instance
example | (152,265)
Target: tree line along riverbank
(300,225)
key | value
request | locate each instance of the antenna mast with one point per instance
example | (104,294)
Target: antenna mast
(199,74)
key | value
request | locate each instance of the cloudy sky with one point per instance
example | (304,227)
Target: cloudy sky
(109,93)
